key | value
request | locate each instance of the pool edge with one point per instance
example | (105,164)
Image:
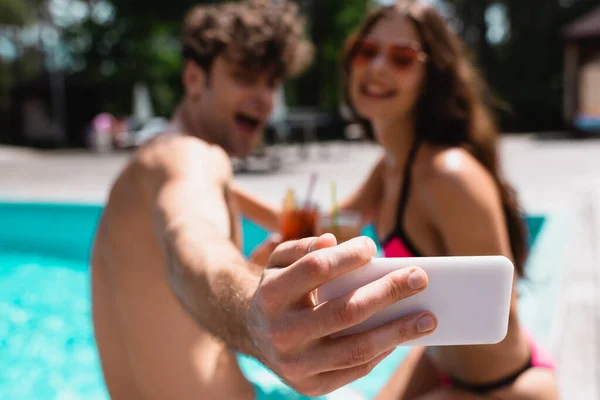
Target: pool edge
(547,260)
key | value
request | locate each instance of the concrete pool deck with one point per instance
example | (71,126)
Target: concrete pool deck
(556,178)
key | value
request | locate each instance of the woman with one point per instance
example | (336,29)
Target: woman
(437,190)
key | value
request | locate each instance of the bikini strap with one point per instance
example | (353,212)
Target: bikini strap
(406,184)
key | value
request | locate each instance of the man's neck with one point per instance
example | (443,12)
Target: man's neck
(183,122)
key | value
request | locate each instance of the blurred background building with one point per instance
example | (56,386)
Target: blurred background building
(582,73)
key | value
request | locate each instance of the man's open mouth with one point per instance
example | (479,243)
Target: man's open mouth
(247,122)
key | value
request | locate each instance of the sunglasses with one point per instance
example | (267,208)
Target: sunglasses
(401,56)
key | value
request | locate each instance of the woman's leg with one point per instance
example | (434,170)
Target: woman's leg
(452,394)
(416,375)
(534,384)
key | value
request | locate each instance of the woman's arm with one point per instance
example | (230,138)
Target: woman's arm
(256,209)
(364,200)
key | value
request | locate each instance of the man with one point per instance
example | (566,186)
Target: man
(173,297)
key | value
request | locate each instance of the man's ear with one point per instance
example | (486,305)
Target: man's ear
(193,78)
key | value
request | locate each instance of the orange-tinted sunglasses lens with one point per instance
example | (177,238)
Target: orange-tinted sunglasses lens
(366,52)
(401,57)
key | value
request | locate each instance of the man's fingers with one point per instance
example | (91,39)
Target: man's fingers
(288,253)
(330,381)
(354,350)
(324,241)
(357,306)
(320,266)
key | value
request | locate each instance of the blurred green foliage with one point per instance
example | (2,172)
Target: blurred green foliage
(18,12)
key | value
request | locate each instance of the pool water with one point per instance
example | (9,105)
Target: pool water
(47,348)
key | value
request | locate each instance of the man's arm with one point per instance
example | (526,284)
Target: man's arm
(273,317)
(206,271)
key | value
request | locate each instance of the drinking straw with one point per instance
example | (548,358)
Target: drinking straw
(334,205)
(311,186)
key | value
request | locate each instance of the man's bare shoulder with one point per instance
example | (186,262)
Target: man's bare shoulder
(181,154)
(180,157)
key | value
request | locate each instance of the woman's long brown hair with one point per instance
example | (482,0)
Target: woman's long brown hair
(453,109)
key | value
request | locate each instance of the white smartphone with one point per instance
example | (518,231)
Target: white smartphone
(470,297)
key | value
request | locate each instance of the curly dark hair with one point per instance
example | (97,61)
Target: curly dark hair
(257,34)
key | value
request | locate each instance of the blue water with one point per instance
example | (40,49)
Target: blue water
(47,348)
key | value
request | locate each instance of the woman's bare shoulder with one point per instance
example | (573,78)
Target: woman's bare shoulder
(453,174)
